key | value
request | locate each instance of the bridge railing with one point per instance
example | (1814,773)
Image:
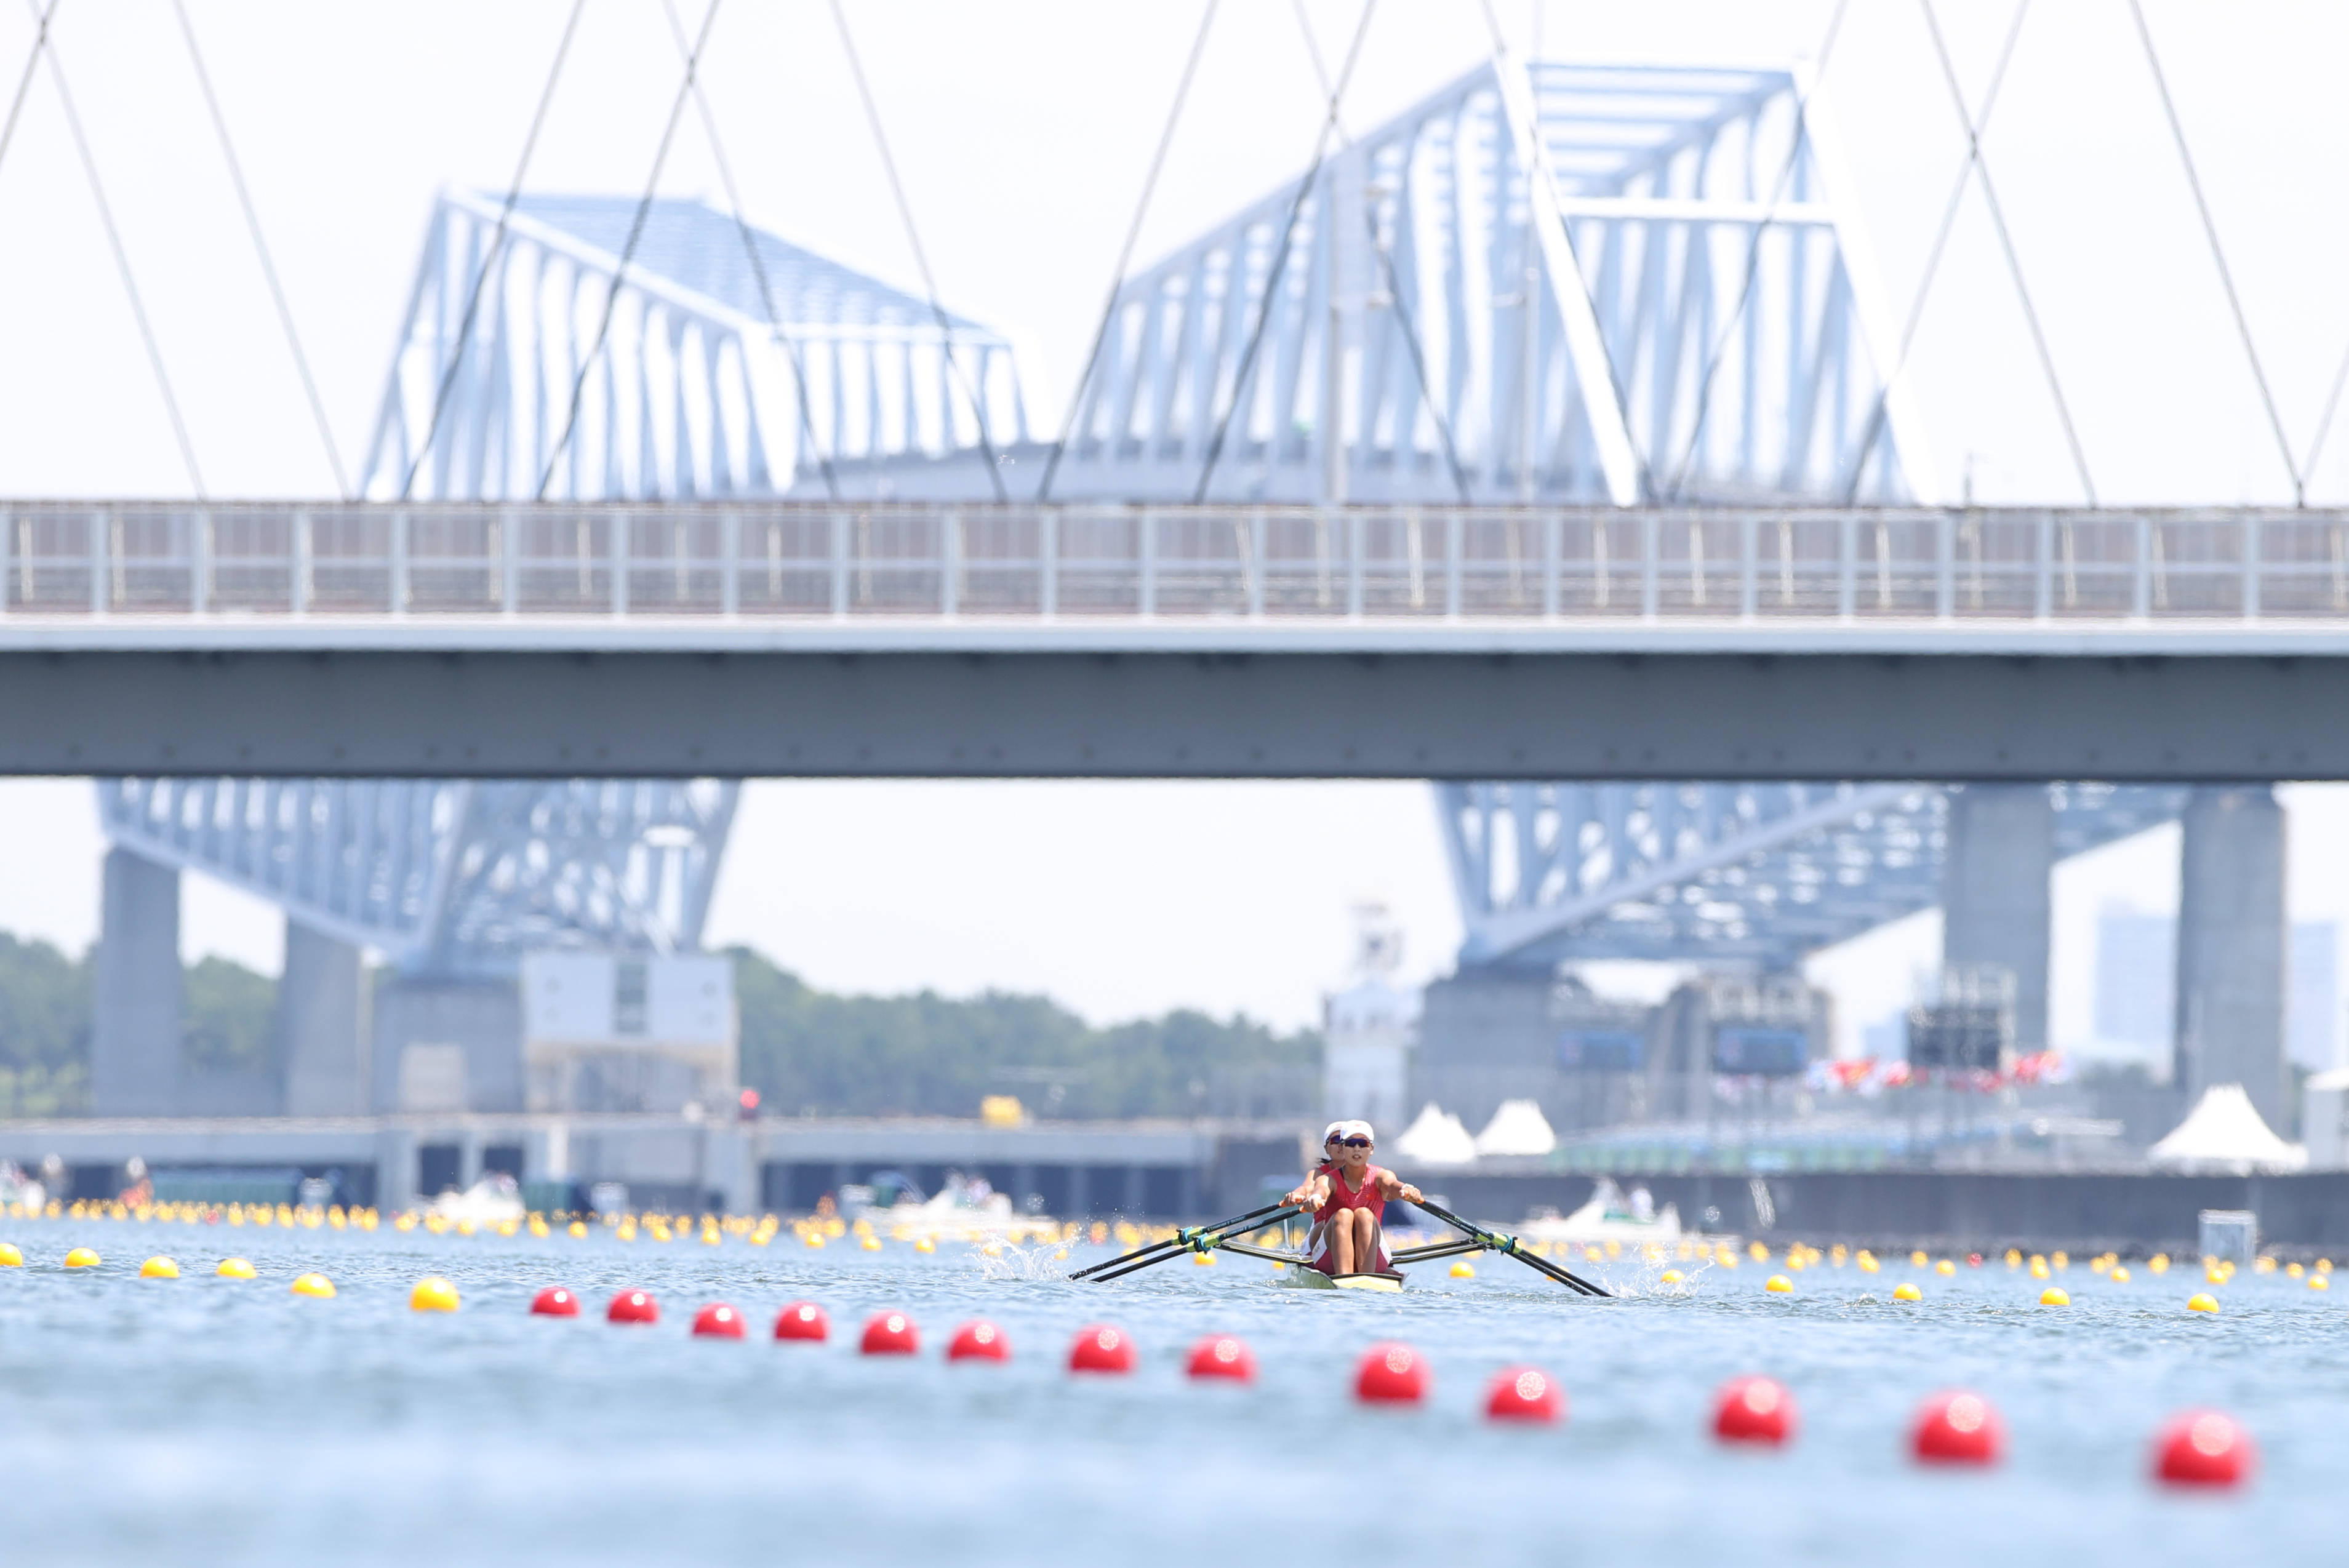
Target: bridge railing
(793,561)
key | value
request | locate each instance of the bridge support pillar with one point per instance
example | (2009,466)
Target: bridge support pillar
(2232,929)
(319,1045)
(134,1059)
(1996,894)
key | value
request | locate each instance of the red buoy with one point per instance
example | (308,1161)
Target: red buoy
(1753,1410)
(2203,1448)
(980,1341)
(891,1333)
(554,1302)
(802,1320)
(1101,1349)
(1390,1374)
(1958,1428)
(718,1321)
(633,1307)
(1523,1394)
(1221,1356)
(1974,1260)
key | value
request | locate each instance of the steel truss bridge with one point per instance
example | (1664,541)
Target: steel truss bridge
(1546,431)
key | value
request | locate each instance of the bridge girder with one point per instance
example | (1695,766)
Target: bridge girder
(692,391)
(1764,873)
(1609,283)
(447,876)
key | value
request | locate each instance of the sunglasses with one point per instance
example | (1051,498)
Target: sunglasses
(1355,1142)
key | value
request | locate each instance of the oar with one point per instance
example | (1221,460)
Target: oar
(1159,1251)
(1510,1244)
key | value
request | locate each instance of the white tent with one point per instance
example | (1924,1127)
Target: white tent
(1517,1127)
(1436,1138)
(2224,1133)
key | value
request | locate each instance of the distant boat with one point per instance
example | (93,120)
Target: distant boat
(1608,1216)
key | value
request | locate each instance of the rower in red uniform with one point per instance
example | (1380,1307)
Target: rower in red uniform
(1349,1197)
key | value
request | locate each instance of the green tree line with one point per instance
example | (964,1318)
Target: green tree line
(812,1052)
(45,1024)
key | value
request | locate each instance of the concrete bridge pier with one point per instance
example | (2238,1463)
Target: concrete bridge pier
(2232,926)
(319,1043)
(134,1059)
(1996,894)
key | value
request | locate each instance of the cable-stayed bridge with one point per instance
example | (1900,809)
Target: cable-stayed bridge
(1554,431)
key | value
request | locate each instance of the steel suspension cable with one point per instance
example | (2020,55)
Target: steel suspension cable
(1394,283)
(629,250)
(1795,143)
(758,263)
(2219,255)
(261,246)
(1240,383)
(121,257)
(976,395)
(2013,264)
(1980,123)
(1125,255)
(24,80)
(490,256)
(2324,421)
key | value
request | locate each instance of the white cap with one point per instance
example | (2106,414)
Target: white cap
(1348,1130)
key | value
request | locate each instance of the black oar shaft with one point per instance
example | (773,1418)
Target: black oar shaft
(1516,1249)
(1181,1242)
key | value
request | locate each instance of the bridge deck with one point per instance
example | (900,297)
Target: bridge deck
(932,577)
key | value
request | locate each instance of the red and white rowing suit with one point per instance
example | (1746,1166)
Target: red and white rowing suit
(1368,1196)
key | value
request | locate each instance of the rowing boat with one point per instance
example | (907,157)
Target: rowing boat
(1302,1277)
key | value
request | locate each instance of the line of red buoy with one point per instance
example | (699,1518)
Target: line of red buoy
(1955,1428)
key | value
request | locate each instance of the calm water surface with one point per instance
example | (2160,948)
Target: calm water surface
(208,1421)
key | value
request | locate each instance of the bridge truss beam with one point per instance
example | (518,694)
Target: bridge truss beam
(1600,283)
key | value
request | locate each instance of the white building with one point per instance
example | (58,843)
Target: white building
(624,1032)
(1368,1028)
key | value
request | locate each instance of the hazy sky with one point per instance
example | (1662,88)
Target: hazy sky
(1023,131)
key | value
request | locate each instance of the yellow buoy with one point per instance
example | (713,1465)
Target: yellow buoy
(2054,1295)
(2293,1271)
(433,1294)
(1464,1269)
(1779,1285)
(11,1257)
(2120,1275)
(2158,1264)
(2320,1281)
(1760,1253)
(1945,1267)
(2202,1302)
(1906,1292)
(1869,1264)
(1201,1259)
(872,1244)
(234,1268)
(81,1258)
(1917,1259)
(315,1285)
(1672,1276)
(2013,1258)
(158,1268)
(578,1230)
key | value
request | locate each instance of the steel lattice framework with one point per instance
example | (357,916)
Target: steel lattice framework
(695,389)
(447,876)
(1765,872)
(1619,282)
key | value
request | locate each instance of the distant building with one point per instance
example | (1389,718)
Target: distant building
(626,1032)
(2137,978)
(1368,1028)
(2312,1008)
(2136,986)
